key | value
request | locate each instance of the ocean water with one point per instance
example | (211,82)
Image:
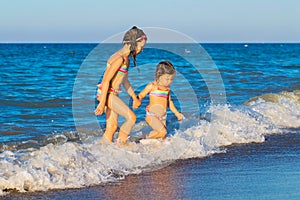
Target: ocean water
(239,138)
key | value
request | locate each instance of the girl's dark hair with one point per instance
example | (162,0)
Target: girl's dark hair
(132,37)
(164,67)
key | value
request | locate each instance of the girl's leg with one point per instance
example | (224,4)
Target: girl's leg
(159,128)
(120,108)
(111,125)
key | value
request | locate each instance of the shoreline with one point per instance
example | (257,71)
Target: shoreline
(245,171)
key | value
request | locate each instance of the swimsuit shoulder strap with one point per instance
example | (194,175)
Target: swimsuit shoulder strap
(124,68)
(125,59)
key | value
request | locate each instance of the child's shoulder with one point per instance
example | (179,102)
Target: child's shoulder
(151,84)
(116,58)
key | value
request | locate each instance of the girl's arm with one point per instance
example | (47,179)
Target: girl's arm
(130,91)
(145,91)
(128,87)
(174,109)
(108,75)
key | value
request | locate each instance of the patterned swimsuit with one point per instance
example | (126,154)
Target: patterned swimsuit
(163,93)
(122,71)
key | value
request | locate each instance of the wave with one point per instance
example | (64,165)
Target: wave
(66,161)
(292,96)
(282,110)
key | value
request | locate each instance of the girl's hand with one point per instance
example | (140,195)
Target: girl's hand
(180,116)
(136,103)
(99,110)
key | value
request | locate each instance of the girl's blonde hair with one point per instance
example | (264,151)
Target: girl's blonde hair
(164,67)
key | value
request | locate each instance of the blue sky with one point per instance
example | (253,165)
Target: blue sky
(202,20)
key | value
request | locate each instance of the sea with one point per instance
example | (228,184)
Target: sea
(240,138)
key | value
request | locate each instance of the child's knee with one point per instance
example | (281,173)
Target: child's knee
(158,134)
(163,133)
(112,127)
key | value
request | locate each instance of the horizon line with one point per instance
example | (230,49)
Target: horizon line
(97,42)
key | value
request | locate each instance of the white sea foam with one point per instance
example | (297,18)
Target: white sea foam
(282,114)
(73,165)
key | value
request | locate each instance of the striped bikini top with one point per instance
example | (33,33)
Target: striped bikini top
(122,70)
(160,92)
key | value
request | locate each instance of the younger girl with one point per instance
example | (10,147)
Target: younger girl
(160,99)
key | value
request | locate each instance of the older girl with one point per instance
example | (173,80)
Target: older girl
(115,75)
